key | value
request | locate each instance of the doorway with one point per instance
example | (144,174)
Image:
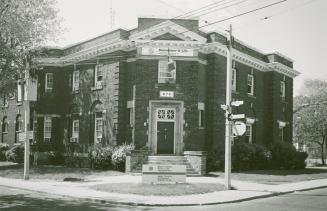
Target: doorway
(165,137)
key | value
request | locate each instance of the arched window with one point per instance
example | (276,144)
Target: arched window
(5,124)
(97,121)
(19,124)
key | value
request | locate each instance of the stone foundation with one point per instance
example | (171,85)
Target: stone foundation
(198,160)
(135,159)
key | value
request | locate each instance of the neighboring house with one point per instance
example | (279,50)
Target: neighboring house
(159,86)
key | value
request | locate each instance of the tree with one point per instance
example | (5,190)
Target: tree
(24,25)
(310,116)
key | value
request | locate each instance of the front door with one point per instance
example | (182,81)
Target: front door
(165,137)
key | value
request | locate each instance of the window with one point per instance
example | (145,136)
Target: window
(248,133)
(49,82)
(20,92)
(98,127)
(250,84)
(5,125)
(234,72)
(4,101)
(131,117)
(281,133)
(282,90)
(47,128)
(19,124)
(167,71)
(201,114)
(75,131)
(76,80)
(98,76)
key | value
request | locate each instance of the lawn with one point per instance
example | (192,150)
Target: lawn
(57,173)
(159,190)
(276,177)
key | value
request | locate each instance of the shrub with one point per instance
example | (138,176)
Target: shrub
(16,154)
(250,157)
(100,158)
(118,157)
(55,158)
(3,148)
(216,159)
(285,156)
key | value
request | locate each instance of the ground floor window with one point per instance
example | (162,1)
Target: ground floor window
(248,133)
(98,127)
(281,130)
(75,131)
(47,128)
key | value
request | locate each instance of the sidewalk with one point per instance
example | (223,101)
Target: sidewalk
(245,190)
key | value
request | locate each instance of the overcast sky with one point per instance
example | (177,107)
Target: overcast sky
(295,28)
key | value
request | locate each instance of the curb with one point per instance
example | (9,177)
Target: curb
(103,201)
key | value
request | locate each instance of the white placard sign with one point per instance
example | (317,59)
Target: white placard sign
(157,51)
(163,174)
(168,94)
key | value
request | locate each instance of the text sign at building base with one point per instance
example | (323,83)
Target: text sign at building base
(163,174)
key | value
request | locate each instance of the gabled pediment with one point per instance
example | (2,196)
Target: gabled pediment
(175,31)
(167,36)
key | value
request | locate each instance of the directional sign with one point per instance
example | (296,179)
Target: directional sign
(238,116)
(239,128)
(237,103)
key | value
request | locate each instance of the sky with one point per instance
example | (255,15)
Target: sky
(295,28)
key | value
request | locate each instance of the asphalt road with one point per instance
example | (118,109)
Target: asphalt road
(14,199)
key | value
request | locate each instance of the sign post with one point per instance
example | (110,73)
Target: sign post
(27,119)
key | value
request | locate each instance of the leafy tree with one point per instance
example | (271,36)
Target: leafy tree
(310,116)
(24,25)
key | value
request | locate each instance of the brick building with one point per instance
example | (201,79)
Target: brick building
(159,86)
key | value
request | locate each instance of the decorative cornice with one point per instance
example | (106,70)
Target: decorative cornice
(283,69)
(168,27)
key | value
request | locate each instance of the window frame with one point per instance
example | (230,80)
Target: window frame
(249,133)
(75,130)
(163,70)
(251,77)
(49,86)
(20,92)
(97,70)
(282,90)
(4,101)
(5,125)
(75,80)
(47,134)
(201,118)
(97,131)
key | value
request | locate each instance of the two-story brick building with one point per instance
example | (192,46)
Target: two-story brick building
(159,86)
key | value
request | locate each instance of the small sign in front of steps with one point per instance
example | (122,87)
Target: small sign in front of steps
(163,174)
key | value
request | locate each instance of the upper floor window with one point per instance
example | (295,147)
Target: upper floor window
(201,114)
(5,125)
(75,131)
(167,71)
(250,84)
(20,92)
(234,72)
(76,80)
(47,128)
(4,101)
(98,76)
(48,82)
(282,90)
(19,124)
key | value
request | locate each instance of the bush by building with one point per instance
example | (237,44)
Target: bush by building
(100,158)
(118,157)
(3,148)
(15,154)
(55,158)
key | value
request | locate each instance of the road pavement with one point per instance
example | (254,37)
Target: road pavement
(16,199)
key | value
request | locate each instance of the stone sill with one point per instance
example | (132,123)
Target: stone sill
(19,104)
(96,88)
(252,96)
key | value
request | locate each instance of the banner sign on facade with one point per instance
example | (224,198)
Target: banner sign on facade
(157,51)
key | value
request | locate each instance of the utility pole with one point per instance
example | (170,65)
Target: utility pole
(228,132)
(27,119)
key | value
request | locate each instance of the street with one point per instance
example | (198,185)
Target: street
(14,199)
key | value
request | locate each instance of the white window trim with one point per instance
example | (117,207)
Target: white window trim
(19,93)
(96,131)
(75,134)
(76,79)
(5,125)
(250,76)
(201,117)
(163,68)
(47,88)
(248,125)
(282,90)
(47,135)
(281,127)
(98,83)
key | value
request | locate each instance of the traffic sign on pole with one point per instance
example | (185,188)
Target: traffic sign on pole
(239,128)
(237,116)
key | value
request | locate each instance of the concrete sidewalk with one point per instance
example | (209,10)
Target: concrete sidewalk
(245,190)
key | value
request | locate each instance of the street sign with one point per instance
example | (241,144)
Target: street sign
(239,128)
(237,116)
(237,103)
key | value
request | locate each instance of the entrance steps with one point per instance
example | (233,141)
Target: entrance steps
(172,160)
